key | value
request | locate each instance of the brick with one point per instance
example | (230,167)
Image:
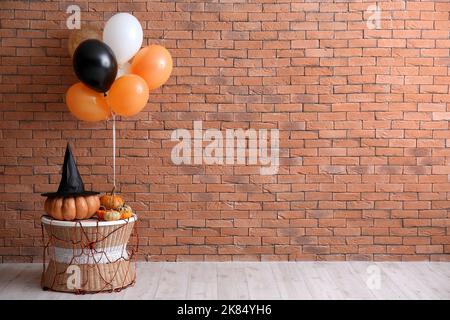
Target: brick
(363,119)
(429,249)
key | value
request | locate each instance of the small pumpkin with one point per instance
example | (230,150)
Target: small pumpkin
(125,211)
(111,201)
(71,208)
(111,215)
(101,212)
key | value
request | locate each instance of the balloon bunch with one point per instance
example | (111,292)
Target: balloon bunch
(110,82)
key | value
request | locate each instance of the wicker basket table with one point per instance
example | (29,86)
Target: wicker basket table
(87,256)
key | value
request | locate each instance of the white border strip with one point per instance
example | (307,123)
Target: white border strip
(86,223)
(89,256)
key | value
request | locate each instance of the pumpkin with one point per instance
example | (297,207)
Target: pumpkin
(100,212)
(82,208)
(111,215)
(125,211)
(71,208)
(111,201)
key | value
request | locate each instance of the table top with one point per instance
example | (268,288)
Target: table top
(92,222)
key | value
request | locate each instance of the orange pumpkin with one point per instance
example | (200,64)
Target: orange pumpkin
(111,201)
(125,211)
(100,212)
(111,215)
(71,208)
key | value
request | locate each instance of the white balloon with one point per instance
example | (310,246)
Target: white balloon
(123,69)
(123,34)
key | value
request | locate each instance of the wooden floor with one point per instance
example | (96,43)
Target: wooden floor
(255,280)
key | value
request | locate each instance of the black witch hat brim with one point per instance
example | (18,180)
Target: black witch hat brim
(65,194)
(71,184)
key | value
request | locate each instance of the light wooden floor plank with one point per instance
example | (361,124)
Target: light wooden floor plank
(253,280)
(173,282)
(387,290)
(231,282)
(351,285)
(408,282)
(202,282)
(431,280)
(261,281)
(291,285)
(318,281)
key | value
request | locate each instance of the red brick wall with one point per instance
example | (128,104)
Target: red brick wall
(363,119)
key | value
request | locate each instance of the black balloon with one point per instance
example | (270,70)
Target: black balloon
(95,65)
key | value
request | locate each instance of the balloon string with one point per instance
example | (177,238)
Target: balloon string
(114,150)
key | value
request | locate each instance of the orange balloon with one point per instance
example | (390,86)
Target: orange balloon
(154,64)
(128,95)
(87,104)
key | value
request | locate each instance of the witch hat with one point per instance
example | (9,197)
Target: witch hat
(71,183)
